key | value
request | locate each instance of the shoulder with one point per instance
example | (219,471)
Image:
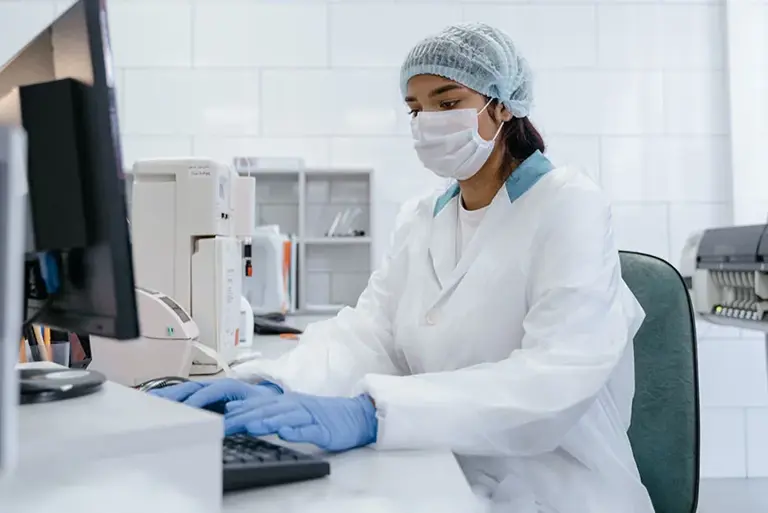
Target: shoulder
(422,207)
(570,191)
(414,212)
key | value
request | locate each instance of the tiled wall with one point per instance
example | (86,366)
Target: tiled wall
(634,91)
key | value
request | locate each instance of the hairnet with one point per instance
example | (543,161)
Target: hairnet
(477,56)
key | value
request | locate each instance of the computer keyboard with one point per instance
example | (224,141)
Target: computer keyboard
(250,462)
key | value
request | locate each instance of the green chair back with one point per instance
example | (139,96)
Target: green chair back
(664,431)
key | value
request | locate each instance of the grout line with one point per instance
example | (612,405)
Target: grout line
(262,109)
(193,13)
(328,38)
(746,443)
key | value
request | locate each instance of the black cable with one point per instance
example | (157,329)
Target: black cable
(155,383)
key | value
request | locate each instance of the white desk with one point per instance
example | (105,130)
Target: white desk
(363,480)
(368,481)
(145,455)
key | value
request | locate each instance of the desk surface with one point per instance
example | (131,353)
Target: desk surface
(369,481)
(363,480)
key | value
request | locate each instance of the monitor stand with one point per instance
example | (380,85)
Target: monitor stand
(46,385)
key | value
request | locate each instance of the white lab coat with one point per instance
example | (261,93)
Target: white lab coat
(518,357)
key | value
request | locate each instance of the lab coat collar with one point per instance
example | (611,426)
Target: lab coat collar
(524,177)
(444,229)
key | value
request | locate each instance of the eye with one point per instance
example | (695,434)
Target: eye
(413,113)
(448,104)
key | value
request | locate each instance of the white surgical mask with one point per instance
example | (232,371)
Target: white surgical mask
(449,143)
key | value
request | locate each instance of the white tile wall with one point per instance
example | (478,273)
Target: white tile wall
(314,150)
(157,34)
(541,36)
(653,36)
(757,442)
(732,373)
(332,102)
(191,102)
(723,442)
(270,34)
(375,23)
(634,91)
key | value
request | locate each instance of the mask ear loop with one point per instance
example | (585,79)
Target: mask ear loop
(500,126)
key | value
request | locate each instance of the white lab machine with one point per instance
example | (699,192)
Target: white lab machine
(183,246)
(244,224)
(164,349)
(727,273)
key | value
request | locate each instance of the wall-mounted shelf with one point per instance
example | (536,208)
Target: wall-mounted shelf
(332,270)
(337,240)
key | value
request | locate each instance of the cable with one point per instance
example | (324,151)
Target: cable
(155,383)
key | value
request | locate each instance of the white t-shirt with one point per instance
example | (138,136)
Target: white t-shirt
(468,221)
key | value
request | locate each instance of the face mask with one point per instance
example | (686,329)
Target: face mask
(449,144)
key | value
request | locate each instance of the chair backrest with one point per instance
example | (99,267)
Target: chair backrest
(664,432)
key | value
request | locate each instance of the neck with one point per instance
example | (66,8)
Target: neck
(479,190)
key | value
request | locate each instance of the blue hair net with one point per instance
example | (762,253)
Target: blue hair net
(476,56)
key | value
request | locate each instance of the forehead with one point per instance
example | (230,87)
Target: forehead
(421,86)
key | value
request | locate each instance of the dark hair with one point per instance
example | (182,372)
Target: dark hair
(520,140)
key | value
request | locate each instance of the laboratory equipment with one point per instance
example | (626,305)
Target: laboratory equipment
(266,325)
(60,88)
(727,269)
(165,347)
(246,323)
(266,289)
(244,224)
(183,246)
(12,221)
(250,462)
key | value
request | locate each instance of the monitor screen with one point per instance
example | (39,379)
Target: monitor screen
(60,88)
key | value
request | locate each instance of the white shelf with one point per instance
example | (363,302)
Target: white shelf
(332,271)
(336,240)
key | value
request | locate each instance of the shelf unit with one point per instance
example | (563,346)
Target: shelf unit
(332,271)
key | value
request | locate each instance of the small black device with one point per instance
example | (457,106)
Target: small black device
(44,385)
(62,85)
(250,462)
(265,326)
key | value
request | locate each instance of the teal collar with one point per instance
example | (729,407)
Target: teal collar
(523,178)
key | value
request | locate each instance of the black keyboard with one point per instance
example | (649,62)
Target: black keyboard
(250,462)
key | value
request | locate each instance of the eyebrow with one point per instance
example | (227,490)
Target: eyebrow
(435,92)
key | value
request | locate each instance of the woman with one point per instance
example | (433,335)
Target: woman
(499,326)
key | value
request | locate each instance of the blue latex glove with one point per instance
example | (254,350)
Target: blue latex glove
(204,393)
(331,423)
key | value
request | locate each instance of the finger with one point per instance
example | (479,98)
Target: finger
(265,421)
(178,392)
(311,434)
(260,409)
(239,406)
(233,406)
(259,426)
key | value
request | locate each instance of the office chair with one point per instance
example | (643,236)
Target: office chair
(664,431)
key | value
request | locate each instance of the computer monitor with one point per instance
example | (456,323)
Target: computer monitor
(60,88)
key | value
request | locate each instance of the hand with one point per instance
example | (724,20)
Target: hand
(203,393)
(331,423)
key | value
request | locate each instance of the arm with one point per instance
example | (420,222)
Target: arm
(335,354)
(576,330)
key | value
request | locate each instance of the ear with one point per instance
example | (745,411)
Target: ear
(502,113)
